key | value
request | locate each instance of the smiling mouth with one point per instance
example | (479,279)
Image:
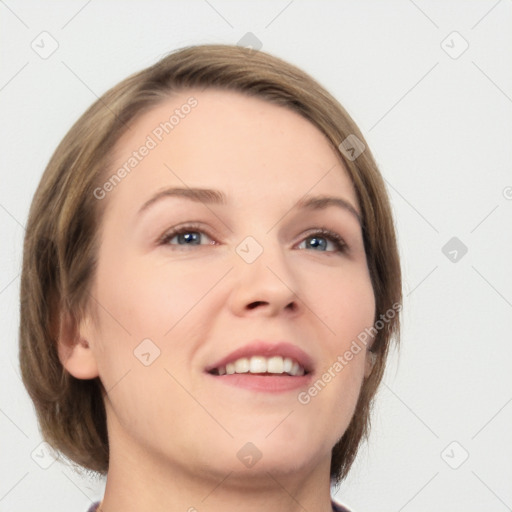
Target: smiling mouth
(273,366)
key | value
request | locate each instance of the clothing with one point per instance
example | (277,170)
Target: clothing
(336,507)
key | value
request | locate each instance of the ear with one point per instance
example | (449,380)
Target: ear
(371,358)
(74,350)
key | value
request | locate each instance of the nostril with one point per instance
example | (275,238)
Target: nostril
(253,305)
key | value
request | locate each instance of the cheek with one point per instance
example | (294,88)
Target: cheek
(346,305)
(148,300)
(145,310)
(344,301)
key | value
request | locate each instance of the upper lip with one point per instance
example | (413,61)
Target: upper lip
(266,349)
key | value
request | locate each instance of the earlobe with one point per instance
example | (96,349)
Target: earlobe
(74,350)
(371,359)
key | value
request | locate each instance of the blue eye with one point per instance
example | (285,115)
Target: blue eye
(185,236)
(319,240)
(193,235)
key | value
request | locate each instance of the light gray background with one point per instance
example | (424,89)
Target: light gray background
(440,128)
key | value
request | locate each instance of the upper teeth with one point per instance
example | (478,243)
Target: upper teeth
(260,364)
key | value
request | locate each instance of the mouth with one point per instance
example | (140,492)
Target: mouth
(262,366)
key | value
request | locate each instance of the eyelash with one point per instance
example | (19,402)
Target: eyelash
(341,246)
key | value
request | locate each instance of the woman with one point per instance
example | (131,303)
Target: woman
(210,286)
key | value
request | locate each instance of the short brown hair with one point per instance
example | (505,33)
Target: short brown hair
(61,242)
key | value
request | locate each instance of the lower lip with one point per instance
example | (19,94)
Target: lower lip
(265,383)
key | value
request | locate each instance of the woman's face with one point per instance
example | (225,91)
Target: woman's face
(248,283)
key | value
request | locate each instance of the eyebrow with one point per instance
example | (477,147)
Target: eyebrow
(211,196)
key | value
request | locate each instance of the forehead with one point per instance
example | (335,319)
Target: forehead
(245,146)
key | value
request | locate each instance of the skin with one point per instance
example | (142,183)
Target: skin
(174,433)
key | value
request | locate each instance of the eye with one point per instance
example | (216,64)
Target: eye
(186,236)
(195,235)
(319,240)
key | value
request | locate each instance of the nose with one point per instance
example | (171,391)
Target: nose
(267,286)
